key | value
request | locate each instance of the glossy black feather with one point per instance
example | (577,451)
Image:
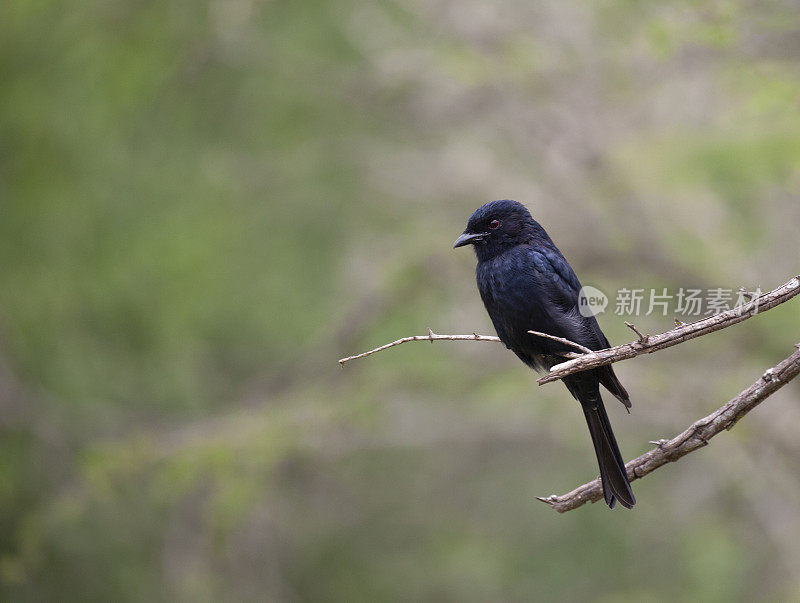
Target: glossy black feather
(527,284)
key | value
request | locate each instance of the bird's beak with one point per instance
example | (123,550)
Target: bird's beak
(468,238)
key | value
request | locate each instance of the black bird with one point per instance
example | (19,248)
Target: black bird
(526,284)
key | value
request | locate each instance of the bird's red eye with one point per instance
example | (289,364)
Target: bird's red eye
(494,224)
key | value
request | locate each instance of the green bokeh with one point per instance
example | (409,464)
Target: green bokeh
(204,205)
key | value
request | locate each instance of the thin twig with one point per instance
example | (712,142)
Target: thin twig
(679,334)
(748,294)
(577,346)
(696,436)
(642,338)
(431,336)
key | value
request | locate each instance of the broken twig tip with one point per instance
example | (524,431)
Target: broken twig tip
(632,327)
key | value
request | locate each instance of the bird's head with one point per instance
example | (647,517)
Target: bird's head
(498,226)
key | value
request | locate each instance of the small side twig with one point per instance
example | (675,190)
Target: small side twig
(577,346)
(695,436)
(632,327)
(745,293)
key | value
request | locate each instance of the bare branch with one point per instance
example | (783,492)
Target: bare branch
(431,336)
(644,345)
(696,436)
(700,432)
(684,332)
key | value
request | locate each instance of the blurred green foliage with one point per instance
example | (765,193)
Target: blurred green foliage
(204,204)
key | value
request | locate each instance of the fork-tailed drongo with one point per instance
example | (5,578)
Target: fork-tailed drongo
(526,284)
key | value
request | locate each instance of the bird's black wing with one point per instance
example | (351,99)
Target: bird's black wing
(564,290)
(561,288)
(529,288)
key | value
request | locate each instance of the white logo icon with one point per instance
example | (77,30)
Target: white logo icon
(591,301)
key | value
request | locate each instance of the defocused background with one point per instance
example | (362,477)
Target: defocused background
(203,205)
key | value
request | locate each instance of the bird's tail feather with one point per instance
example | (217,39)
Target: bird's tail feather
(613,474)
(609,380)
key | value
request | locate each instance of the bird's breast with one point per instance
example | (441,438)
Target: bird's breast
(510,290)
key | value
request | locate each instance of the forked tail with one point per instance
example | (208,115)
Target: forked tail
(613,475)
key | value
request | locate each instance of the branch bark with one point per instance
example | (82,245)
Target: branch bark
(695,436)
